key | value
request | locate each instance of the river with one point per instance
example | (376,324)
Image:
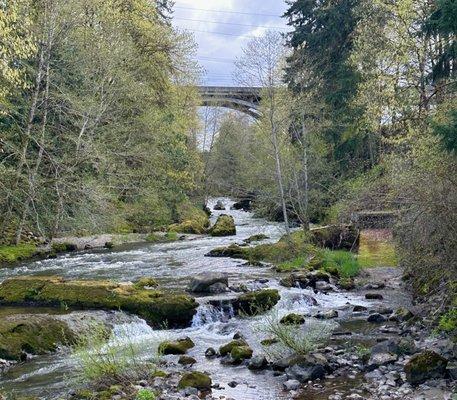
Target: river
(172,264)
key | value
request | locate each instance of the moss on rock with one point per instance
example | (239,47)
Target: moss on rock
(12,254)
(146,282)
(224,226)
(190,220)
(63,247)
(424,366)
(197,380)
(176,347)
(31,334)
(292,319)
(227,348)
(256,302)
(240,353)
(157,308)
(256,238)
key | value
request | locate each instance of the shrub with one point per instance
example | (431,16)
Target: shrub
(343,262)
(448,321)
(105,359)
(145,394)
(295,339)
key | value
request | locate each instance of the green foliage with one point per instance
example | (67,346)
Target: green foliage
(157,238)
(448,321)
(11,254)
(448,132)
(105,360)
(343,262)
(145,394)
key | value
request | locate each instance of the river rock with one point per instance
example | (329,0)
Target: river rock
(401,314)
(219,206)
(336,237)
(252,303)
(197,380)
(305,374)
(330,314)
(256,238)
(358,308)
(374,296)
(209,283)
(378,359)
(376,318)
(176,347)
(424,366)
(292,319)
(186,360)
(258,362)
(323,286)
(224,226)
(210,352)
(158,308)
(291,384)
(299,280)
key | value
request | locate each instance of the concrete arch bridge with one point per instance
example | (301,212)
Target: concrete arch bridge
(244,99)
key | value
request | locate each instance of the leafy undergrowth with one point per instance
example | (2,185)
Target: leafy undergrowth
(11,254)
(168,237)
(376,249)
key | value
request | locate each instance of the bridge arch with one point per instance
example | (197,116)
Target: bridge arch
(243,99)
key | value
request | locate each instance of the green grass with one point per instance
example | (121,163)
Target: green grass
(344,262)
(376,249)
(293,265)
(448,322)
(11,254)
(168,237)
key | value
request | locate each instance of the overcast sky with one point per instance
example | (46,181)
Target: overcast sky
(222,28)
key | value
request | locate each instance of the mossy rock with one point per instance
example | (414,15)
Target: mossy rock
(269,342)
(157,308)
(346,283)
(224,226)
(197,380)
(232,251)
(253,303)
(227,348)
(64,247)
(424,366)
(187,360)
(256,238)
(292,319)
(191,219)
(240,353)
(31,334)
(12,254)
(176,347)
(146,282)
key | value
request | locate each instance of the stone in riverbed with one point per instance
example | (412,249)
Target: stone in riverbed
(256,238)
(209,283)
(253,303)
(227,348)
(258,362)
(401,314)
(197,380)
(330,314)
(31,334)
(219,206)
(291,384)
(305,374)
(210,352)
(176,347)
(224,226)
(374,296)
(240,353)
(376,318)
(424,366)
(159,309)
(292,319)
(186,360)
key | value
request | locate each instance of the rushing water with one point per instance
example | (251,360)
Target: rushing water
(172,264)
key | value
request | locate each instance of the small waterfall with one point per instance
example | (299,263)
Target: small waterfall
(210,313)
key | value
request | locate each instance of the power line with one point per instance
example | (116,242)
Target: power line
(230,23)
(226,11)
(222,33)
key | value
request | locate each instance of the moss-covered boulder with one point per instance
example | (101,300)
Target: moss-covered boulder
(232,251)
(64,247)
(253,303)
(292,319)
(146,283)
(190,219)
(240,353)
(157,308)
(186,360)
(12,254)
(224,226)
(31,334)
(176,347)
(197,380)
(424,366)
(256,238)
(336,237)
(227,348)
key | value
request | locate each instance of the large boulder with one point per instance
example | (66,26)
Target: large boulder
(253,303)
(32,334)
(159,309)
(208,283)
(232,251)
(219,206)
(305,373)
(227,348)
(224,226)
(424,366)
(292,319)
